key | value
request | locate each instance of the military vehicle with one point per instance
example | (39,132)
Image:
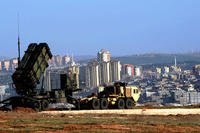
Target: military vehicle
(28,81)
(119,96)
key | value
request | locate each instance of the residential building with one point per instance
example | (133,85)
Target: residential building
(138,71)
(166,70)
(127,70)
(196,69)
(105,72)
(92,74)
(73,72)
(7,65)
(58,60)
(65,60)
(103,56)
(158,70)
(115,70)
(14,64)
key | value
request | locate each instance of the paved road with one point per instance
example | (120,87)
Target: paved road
(131,111)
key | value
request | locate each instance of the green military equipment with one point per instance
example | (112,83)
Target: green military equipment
(31,68)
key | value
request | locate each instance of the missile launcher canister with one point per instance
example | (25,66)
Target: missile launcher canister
(31,68)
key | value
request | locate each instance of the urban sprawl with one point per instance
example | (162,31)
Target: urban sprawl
(163,85)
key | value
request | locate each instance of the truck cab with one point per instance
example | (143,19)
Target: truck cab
(116,96)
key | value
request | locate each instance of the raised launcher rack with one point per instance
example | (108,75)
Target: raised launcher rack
(31,68)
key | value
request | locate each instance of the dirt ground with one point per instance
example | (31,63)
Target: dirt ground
(142,111)
(27,120)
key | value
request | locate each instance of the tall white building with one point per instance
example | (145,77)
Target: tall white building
(158,70)
(73,70)
(105,72)
(127,70)
(14,64)
(92,74)
(115,70)
(7,65)
(166,69)
(138,71)
(103,56)
(58,60)
(66,59)
(102,71)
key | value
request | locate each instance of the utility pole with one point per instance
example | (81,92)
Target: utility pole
(18,41)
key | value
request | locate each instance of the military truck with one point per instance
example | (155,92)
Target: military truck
(28,81)
(118,96)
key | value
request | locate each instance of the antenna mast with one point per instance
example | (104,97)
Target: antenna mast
(18,41)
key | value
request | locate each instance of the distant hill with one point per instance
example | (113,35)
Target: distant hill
(147,59)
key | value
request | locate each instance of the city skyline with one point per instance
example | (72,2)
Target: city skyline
(82,28)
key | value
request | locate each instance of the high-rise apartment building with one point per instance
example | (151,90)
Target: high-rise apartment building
(138,71)
(105,72)
(103,56)
(92,74)
(7,65)
(102,71)
(73,72)
(65,60)
(14,64)
(115,70)
(58,60)
(52,62)
(128,70)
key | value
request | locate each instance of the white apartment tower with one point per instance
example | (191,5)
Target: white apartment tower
(7,65)
(103,56)
(102,71)
(92,74)
(138,71)
(105,72)
(115,70)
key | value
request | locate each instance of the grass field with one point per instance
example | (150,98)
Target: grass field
(37,122)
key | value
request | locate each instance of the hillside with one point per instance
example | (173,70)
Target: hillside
(146,59)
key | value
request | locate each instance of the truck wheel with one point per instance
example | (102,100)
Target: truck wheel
(95,104)
(120,103)
(129,103)
(77,105)
(45,104)
(104,103)
(37,106)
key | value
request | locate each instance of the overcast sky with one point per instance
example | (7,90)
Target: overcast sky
(83,27)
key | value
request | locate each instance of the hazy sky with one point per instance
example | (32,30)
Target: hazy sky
(83,27)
